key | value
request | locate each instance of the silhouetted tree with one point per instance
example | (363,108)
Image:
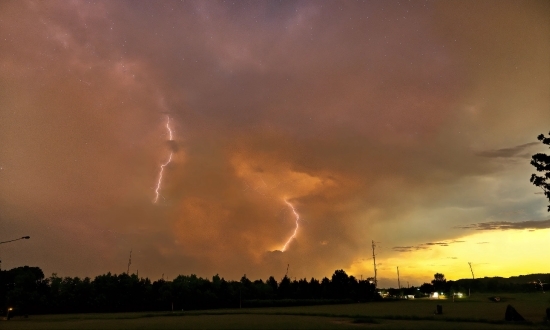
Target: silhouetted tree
(438,277)
(325,287)
(272,282)
(439,282)
(426,288)
(315,287)
(284,290)
(340,284)
(542,163)
(23,288)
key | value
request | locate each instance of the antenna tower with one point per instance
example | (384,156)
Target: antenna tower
(129,263)
(286,274)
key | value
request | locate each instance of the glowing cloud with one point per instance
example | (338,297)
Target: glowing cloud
(295,229)
(159,182)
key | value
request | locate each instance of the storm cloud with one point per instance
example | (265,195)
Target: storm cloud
(368,118)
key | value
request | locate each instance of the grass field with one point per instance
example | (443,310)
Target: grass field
(477,312)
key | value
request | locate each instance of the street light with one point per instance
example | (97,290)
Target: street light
(8,314)
(13,240)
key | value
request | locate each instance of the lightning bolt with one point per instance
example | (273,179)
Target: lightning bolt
(295,229)
(162,166)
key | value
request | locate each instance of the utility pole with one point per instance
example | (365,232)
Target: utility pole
(473,278)
(374,262)
(398,282)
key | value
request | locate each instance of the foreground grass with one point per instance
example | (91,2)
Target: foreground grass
(473,313)
(240,321)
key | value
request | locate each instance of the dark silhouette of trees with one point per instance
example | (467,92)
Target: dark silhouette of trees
(28,292)
(542,163)
(340,284)
(439,282)
(23,285)
(426,288)
(284,290)
(522,283)
(438,277)
(272,282)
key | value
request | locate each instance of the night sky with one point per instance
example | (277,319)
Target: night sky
(410,123)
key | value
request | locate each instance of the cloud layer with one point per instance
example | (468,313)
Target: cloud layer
(370,119)
(504,225)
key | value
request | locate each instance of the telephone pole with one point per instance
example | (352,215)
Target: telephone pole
(473,278)
(398,282)
(374,262)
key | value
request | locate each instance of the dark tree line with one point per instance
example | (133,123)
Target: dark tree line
(29,292)
(523,283)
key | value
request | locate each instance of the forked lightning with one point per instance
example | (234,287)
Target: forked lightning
(162,166)
(295,229)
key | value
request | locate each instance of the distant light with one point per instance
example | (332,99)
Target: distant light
(435,294)
(10,309)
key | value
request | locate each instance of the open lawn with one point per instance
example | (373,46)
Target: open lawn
(477,312)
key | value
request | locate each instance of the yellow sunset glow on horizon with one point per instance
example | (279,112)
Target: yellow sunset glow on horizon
(502,253)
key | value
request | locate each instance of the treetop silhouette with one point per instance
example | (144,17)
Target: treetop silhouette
(542,163)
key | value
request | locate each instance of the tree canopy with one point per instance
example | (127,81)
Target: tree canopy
(27,291)
(542,163)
